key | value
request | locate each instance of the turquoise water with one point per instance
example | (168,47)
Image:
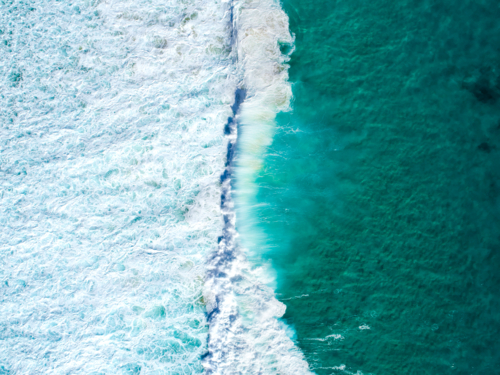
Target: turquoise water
(378,200)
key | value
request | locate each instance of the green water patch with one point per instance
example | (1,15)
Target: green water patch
(378,201)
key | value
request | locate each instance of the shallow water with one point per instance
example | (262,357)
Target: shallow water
(378,199)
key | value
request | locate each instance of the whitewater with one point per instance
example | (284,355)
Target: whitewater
(124,125)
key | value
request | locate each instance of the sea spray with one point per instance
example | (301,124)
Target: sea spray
(246,335)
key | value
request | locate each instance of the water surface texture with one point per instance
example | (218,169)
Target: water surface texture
(112,145)
(117,253)
(378,200)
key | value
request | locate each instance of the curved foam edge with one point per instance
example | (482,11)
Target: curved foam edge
(246,333)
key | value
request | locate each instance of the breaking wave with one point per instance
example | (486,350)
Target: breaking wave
(114,138)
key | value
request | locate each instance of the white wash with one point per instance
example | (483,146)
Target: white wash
(112,144)
(246,335)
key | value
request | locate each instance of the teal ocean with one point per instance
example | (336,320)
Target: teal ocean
(378,201)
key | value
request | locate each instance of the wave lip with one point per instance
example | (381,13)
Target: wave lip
(245,333)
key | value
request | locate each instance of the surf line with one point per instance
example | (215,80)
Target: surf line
(221,308)
(245,334)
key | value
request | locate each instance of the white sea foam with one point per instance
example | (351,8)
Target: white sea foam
(112,116)
(112,145)
(327,338)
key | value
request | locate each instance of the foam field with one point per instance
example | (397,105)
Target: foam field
(112,147)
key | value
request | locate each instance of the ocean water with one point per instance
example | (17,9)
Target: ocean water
(375,203)
(118,253)
(111,155)
(249,187)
